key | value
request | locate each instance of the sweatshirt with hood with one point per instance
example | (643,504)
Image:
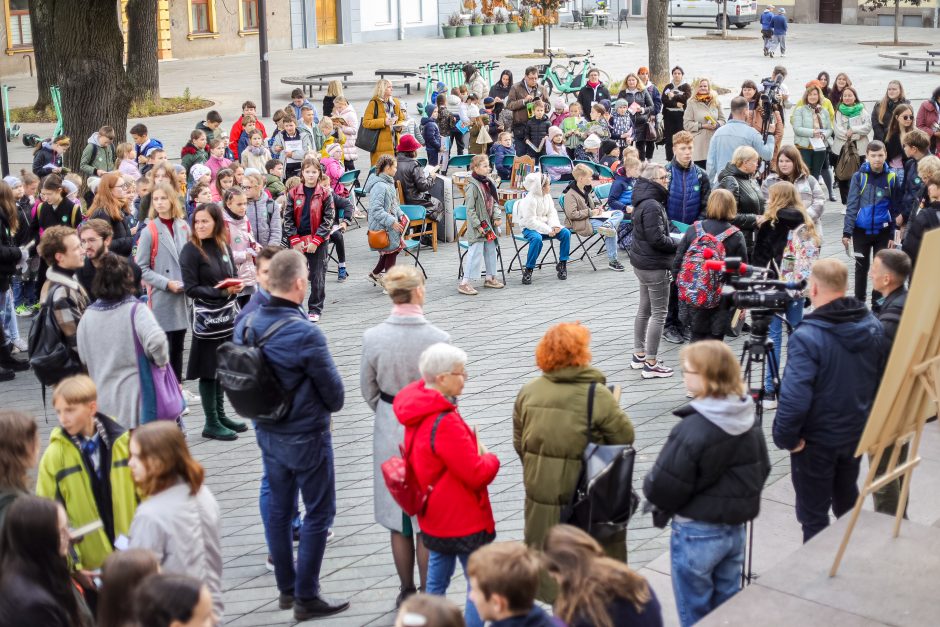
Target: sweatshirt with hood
(536,211)
(96,157)
(835,358)
(714,463)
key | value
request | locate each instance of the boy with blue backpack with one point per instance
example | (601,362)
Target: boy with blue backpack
(875,202)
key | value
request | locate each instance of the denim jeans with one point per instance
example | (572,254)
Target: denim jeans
(264,500)
(534,238)
(8,316)
(24,292)
(794,315)
(440,569)
(823,477)
(707,561)
(610,243)
(303,462)
(479,253)
(651,316)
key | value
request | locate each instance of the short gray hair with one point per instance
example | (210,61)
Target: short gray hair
(286,267)
(650,169)
(440,359)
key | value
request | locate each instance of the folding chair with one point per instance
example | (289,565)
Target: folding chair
(604,172)
(682,226)
(416,214)
(348,179)
(555,161)
(602,191)
(520,243)
(358,191)
(460,161)
(584,244)
(463,246)
(421,223)
(594,167)
(422,161)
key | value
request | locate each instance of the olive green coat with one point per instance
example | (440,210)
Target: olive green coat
(549,432)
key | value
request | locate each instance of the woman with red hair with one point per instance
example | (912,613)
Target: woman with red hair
(112,205)
(550,431)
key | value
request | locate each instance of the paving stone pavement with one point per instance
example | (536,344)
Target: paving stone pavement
(499,331)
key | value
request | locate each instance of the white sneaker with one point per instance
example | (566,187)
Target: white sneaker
(19,345)
(190,397)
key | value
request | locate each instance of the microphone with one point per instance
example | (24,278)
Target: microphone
(719,266)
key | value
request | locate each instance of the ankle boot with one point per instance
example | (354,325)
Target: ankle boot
(7,360)
(6,374)
(562,270)
(213,429)
(228,423)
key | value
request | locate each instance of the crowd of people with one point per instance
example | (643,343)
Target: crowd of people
(117,264)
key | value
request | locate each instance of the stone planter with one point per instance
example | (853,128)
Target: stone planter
(476,30)
(499,28)
(449,31)
(525,28)
(512,27)
(463,31)
(487,29)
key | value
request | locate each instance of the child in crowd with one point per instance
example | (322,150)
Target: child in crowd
(210,126)
(201,175)
(308,220)
(504,579)
(333,91)
(555,147)
(72,182)
(249,123)
(536,131)
(330,136)
(590,149)
(332,170)
(223,180)
(610,154)
(85,468)
(478,137)
(279,116)
(241,240)
(573,127)
(621,190)
(431,133)
(584,215)
(310,129)
(238,173)
(439,90)
(23,281)
(199,194)
(598,124)
(621,125)
(916,145)
(560,113)
(155,157)
(217,160)
(144,185)
(194,152)
(255,154)
(483,222)
(298,101)
(346,120)
(274,178)
(445,122)
(143,143)
(500,150)
(410,125)
(248,108)
(126,163)
(292,182)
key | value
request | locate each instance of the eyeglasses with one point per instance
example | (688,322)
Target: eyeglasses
(906,117)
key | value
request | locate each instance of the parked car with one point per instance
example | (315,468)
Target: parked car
(740,12)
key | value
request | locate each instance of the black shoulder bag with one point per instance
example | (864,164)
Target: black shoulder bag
(368,138)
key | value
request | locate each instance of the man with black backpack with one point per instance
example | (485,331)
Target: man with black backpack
(297,446)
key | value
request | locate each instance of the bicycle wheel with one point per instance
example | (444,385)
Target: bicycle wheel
(604,76)
(561,71)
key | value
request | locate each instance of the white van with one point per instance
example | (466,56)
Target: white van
(740,12)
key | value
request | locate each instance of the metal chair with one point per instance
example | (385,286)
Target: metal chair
(584,244)
(604,172)
(555,161)
(418,227)
(422,161)
(358,191)
(459,161)
(602,191)
(463,246)
(349,180)
(624,17)
(416,214)
(590,164)
(520,243)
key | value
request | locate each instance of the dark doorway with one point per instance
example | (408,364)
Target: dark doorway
(830,11)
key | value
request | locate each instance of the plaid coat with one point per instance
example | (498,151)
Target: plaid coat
(69,301)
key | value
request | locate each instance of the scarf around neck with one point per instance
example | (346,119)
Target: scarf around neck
(488,187)
(407,309)
(850,111)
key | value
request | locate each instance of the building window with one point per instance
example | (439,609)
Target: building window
(20,36)
(249,15)
(202,19)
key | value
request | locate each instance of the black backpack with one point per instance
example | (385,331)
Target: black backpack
(244,374)
(49,355)
(604,499)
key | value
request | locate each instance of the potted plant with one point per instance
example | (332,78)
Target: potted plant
(476,24)
(525,19)
(499,27)
(450,28)
(462,29)
(487,24)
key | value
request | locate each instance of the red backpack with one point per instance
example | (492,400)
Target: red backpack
(698,286)
(401,481)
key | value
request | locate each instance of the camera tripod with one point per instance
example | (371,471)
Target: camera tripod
(758,357)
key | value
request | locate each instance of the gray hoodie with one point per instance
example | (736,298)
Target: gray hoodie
(733,414)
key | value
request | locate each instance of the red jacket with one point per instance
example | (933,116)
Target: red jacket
(927,116)
(458,504)
(236,133)
(321,211)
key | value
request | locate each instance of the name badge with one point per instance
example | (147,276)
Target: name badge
(697,188)
(879,193)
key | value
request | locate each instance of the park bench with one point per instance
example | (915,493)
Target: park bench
(927,57)
(316,80)
(405,74)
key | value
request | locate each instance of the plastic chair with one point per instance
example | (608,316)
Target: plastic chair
(555,161)
(416,214)
(349,180)
(604,172)
(602,191)
(590,164)
(520,243)
(463,246)
(358,191)
(422,161)
(460,161)
(584,244)
(419,226)
(682,226)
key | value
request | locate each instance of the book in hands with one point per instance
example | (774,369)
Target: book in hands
(77,534)
(538,148)
(227,283)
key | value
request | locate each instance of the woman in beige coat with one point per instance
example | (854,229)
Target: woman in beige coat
(703,116)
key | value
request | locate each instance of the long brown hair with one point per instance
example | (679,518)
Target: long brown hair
(894,128)
(176,211)
(223,173)
(164,452)
(219,230)
(588,580)
(799,166)
(883,105)
(121,573)
(8,207)
(18,437)
(105,199)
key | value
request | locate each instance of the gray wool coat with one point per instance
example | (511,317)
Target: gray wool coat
(390,353)
(168,308)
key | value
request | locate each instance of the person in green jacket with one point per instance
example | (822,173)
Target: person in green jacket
(483,222)
(194,152)
(274,178)
(85,469)
(549,432)
(99,156)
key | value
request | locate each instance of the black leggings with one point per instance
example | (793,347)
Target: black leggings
(646,150)
(866,247)
(385,263)
(337,238)
(176,340)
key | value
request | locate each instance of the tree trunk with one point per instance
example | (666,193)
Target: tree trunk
(897,18)
(657,34)
(142,70)
(44,50)
(724,19)
(94,87)
(545,38)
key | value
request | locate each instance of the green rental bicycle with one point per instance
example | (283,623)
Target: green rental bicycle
(569,79)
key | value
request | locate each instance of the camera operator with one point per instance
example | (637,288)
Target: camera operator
(736,133)
(834,364)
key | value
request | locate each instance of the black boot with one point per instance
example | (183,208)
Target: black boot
(7,361)
(527,276)
(235,425)
(6,374)
(562,269)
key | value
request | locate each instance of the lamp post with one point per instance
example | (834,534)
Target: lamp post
(263,53)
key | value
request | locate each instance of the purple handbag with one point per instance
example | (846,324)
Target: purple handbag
(160,395)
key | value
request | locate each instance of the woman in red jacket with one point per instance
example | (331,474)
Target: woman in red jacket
(450,464)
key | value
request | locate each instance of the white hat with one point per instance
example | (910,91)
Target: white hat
(70,187)
(12,181)
(592,141)
(198,171)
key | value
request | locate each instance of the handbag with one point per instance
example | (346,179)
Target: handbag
(160,395)
(378,240)
(368,138)
(401,481)
(604,499)
(210,322)
(848,162)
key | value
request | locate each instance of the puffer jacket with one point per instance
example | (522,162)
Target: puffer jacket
(242,243)
(459,504)
(10,254)
(689,189)
(122,242)
(350,129)
(621,191)
(652,248)
(835,359)
(45,159)
(265,220)
(714,463)
(536,210)
(190,156)
(415,184)
(803,129)
(384,211)
(928,115)
(97,157)
(747,194)
(874,201)
(927,219)
(809,189)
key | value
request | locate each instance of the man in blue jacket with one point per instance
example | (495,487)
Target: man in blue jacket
(834,363)
(297,452)
(875,202)
(766,27)
(779,25)
(688,196)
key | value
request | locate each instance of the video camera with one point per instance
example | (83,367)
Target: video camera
(770,101)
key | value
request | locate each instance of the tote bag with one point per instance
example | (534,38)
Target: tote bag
(368,138)
(160,395)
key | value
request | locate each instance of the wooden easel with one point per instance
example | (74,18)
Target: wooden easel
(909,392)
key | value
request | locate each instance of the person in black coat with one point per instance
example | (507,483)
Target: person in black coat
(651,255)
(675,97)
(927,219)
(738,178)
(205,261)
(500,90)
(48,157)
(11,255)
(111,205)
(593,91)
(708,478)
(634,93)
(711,322)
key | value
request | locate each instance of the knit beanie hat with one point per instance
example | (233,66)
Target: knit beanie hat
(198,171)
(592,142)
(429,109)
(12,181)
